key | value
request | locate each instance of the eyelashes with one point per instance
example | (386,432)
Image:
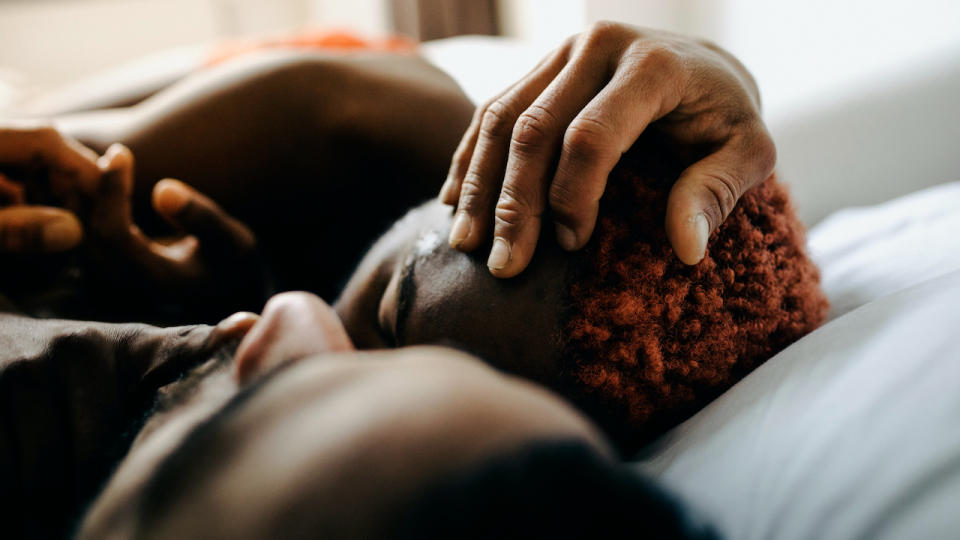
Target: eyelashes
(384,329)
(387,307)
(405,296)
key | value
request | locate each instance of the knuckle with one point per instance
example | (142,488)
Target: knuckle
(472,183)
(498,119)
(602,32)
(507,219)
(725,190)
(586,138)
(534,129)
(766,152)
(656,61)
(563,199)
(518,201)
(661,58)
(472,191)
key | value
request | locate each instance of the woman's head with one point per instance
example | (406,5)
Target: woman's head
(622,327)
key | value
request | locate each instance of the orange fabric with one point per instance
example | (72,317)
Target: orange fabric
(649,340)
(320,39)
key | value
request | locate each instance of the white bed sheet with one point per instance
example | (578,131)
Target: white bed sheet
(853,431)
(865,253)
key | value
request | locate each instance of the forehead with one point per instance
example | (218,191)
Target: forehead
(452,298)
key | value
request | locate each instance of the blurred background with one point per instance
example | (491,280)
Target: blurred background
(795,48)
(837,72)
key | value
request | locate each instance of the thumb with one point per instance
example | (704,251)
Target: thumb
(194,213)
(707,192)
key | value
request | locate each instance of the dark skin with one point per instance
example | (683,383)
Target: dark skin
(310,441)
(384,105)
(373,121)
(277,140)
(392,120)
(451,297)
(68,392)
(152,127)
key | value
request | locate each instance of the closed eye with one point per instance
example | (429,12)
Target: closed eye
(395,303)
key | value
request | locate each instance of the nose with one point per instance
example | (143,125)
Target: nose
(293,325)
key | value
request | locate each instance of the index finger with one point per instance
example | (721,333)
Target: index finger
(533,149)
(597,138)
(481,183)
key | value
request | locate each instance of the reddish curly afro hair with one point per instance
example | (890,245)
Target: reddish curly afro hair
(648,340)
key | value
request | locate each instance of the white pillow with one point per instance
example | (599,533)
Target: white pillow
(865,253)
(852,432)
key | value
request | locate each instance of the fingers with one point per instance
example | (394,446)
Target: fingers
(535,143)
(195,214)
(211,233)
(293,325)
(555,136)
(595,140)
(11,192)
(708,190)
(23,144)
(480,185)
(450,192)
(111,216)
(38,229)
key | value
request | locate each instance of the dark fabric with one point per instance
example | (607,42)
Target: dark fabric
(71,394)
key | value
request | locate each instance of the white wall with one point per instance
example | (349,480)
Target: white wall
(862,96)
(543,22)
(50,41)
(369,17)
(798,50)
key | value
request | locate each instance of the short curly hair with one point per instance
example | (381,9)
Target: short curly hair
(648,340)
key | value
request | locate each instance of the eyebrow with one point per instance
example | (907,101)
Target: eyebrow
(408,289)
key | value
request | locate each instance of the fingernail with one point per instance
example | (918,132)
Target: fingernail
(701,231)
(499,255)
(566,237)
(460,229)
(61,234)
(171,196)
